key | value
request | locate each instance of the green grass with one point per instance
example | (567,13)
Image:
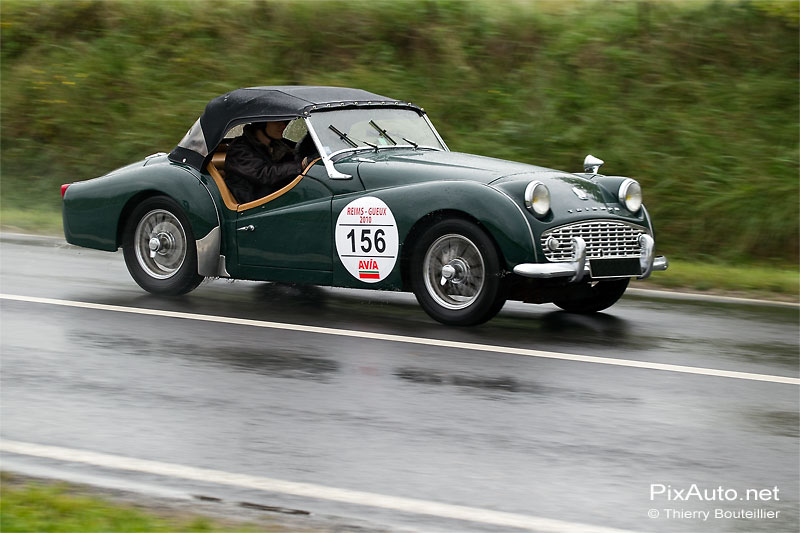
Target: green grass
(37,221)
(63,508)
(757,281)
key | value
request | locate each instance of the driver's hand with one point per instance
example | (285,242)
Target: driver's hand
(304,164)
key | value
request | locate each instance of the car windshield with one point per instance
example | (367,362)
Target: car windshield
(372,128)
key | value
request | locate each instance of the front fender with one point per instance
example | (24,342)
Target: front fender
(95,211)
(413,204)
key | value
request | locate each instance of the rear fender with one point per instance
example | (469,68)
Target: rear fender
(95,211)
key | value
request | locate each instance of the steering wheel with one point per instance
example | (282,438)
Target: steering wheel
(305,147)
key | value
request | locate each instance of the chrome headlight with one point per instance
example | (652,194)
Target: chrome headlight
(537,198)
(630,195)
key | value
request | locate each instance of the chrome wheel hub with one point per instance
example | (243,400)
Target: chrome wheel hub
(456,271)
(161,244)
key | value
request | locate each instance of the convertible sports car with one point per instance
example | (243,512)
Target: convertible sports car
(382,204)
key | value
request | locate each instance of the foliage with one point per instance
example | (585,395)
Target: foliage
(696,99)
(62,509)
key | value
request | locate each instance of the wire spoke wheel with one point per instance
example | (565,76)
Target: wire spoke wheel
(454,271)
(160,242)
(159,248)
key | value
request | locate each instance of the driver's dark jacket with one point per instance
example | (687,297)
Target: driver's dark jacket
(253,170)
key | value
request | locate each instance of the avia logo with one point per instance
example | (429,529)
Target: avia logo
(368,269)
(580,193)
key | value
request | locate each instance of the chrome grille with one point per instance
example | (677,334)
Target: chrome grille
(604,238)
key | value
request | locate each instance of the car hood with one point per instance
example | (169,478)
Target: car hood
(393,168)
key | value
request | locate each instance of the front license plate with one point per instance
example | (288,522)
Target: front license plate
(612,268)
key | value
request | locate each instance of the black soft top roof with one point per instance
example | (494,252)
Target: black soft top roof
(256,104)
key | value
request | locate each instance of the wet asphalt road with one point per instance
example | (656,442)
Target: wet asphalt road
(577,442)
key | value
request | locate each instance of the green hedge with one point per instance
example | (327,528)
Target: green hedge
(697,100)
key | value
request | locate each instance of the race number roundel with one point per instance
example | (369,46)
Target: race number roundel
(366,239)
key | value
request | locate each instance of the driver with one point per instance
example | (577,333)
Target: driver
(261,161)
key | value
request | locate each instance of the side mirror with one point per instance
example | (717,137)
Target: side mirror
(591,164)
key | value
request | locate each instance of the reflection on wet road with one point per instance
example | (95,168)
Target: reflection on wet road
(571,441)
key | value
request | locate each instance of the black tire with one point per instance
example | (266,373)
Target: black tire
(475,290)
(587,298)
(170,269)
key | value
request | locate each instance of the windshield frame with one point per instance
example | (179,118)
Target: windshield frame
(329,159)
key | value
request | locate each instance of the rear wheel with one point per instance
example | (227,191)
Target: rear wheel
(159,248)
(591,298)
(455,273)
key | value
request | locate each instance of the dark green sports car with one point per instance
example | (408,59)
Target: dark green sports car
(381,203)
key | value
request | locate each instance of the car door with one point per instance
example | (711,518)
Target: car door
(289,237)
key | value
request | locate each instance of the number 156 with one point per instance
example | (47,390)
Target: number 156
(368,241)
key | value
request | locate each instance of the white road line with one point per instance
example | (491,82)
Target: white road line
(713,298)
(412,340)
(309,490)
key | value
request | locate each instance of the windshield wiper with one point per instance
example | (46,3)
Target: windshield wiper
(382,132)
(412,143)
(342,136)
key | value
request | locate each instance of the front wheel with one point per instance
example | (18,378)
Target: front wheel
(159,248)
(456,273)
(591,298)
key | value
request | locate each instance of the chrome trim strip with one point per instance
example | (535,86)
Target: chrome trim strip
(430,125)
(326,159)
(579,245)
(660,263)
(648,221)
(646,259)
(545,270)
(524,217)
(208,252)
(576,269)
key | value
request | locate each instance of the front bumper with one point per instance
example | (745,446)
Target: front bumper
(578,267)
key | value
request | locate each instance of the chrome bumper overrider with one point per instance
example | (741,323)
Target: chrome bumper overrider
(578,267)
